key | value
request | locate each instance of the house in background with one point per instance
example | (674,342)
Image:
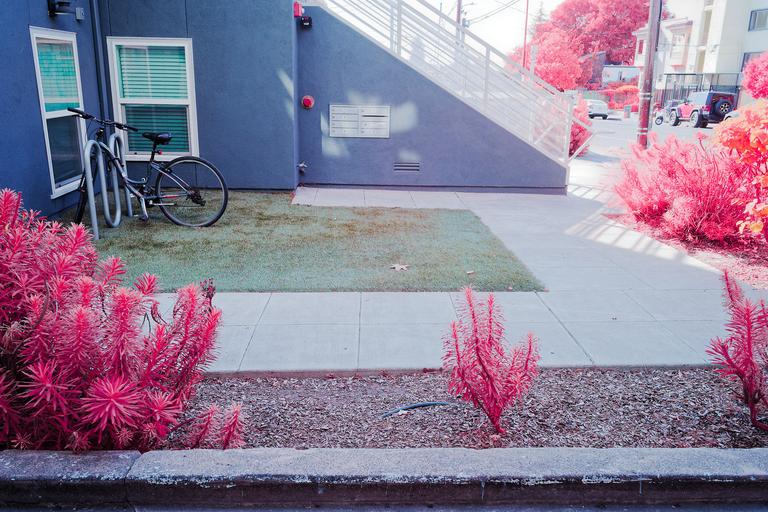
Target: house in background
(619,73)
(705,45)
(400,102)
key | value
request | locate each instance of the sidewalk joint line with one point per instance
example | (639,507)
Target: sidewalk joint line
(253,334)
(578,344)
(359,329)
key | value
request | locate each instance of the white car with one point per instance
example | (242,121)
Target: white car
(597,108)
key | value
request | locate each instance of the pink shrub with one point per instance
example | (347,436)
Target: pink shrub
(746,140)
(482,369)
(742,356)
(82,366)
(579,134)
(756,76)
(686,190)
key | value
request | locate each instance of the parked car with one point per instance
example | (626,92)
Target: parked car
(597,108)
(665,112)
(703,107)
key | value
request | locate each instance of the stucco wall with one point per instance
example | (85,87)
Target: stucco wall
(23,159)
(244,55)
(456,146)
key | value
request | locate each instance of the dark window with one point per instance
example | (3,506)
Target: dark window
(747,57)
(758,20)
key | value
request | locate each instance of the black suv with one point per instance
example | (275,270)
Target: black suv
(702,108)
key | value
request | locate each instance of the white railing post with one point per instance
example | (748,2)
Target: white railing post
(486,78)
(392,23)
(568,128)
(399,28)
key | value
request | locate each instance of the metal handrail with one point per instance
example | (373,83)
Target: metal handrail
(468,67)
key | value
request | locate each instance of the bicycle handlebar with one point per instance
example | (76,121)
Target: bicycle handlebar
(106,122)
(81,113)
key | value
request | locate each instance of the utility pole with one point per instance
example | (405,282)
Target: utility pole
(646,93)
(458,13)
(525,33)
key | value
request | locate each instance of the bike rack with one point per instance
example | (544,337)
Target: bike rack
(116,147)
(112,219)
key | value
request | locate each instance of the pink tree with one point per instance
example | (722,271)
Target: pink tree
(555,62)
(600,25)
(756,77)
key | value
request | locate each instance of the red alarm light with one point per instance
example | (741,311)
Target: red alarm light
(307,102)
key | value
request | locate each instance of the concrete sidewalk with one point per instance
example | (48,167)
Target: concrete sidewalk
(614,297)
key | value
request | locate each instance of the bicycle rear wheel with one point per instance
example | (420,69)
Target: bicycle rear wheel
(191,192)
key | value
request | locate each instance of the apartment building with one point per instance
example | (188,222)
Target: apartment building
(704,45)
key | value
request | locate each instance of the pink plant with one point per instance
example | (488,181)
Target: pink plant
(82,366)
(483,370)
(688,191)
(231,433)
(746,140)
(743,355)
(756,76)
(579,134)
(204,428)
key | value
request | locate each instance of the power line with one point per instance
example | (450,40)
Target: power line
(493,12)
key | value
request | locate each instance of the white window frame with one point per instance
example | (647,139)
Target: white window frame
(753,20)
(59,36)
(190,102)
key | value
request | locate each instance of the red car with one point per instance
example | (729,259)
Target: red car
(702,108)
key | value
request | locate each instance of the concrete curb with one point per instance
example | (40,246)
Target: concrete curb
(288,477)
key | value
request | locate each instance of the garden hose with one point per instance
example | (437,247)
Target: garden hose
(413,406)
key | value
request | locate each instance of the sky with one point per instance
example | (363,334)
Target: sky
(503,30)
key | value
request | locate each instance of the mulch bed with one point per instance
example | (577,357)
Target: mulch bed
(566,407)
(748,264)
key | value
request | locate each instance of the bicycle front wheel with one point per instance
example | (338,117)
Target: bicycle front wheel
(191,192)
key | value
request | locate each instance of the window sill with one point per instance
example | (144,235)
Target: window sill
(65,189)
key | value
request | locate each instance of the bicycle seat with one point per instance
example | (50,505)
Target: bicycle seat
(158,138)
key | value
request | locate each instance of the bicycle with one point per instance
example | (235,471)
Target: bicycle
(188,190)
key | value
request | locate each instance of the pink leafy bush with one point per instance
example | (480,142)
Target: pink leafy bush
(688,191)
(742,356)
(483,370)
(81,364)
(756,76)
(579,134)
(746,140)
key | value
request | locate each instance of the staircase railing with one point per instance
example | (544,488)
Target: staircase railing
(467,67)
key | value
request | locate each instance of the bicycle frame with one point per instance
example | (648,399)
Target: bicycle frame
(116,157)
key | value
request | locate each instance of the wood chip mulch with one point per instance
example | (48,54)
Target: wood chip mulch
(566,407)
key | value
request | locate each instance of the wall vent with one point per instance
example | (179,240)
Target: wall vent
(407,167)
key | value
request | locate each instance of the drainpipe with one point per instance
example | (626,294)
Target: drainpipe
(98,48)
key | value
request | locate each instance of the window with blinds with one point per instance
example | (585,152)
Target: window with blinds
(58,82)
(153,90)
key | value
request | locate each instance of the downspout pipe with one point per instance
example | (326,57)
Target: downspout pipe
(98,48)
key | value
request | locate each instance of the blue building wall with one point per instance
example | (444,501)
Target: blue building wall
(456,146)
(244,58)
(23,159)
(251,66)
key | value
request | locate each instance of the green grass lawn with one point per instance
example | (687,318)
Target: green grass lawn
(263,243)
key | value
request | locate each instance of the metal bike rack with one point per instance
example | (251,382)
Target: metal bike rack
(112,219)
(116,146)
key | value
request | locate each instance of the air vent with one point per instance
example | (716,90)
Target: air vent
(407,167)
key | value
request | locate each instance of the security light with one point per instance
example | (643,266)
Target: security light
(60,7)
